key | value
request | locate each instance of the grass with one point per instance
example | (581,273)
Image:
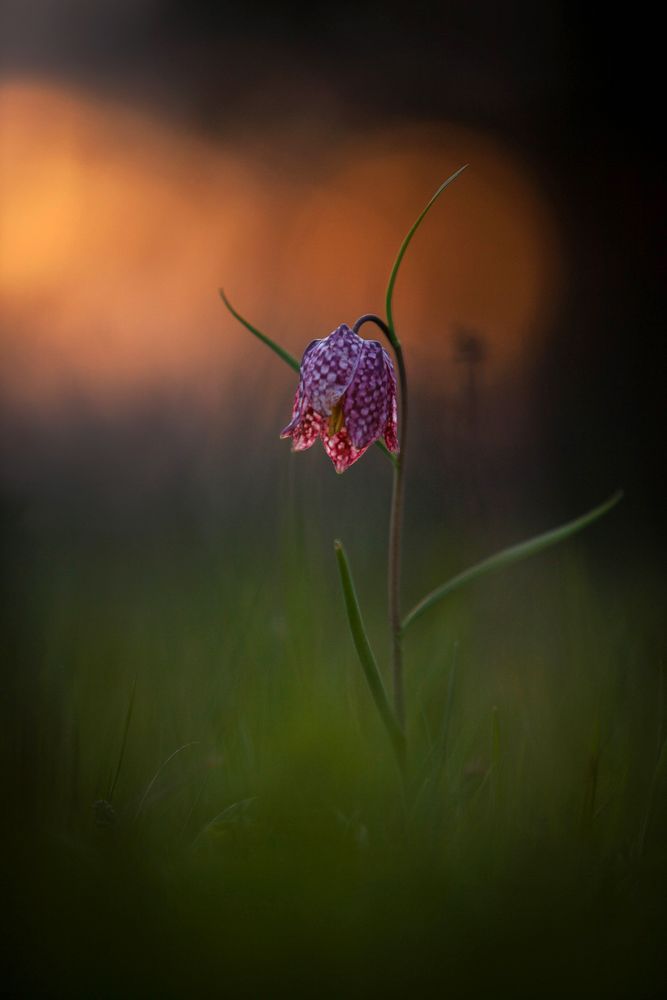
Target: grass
(202,801)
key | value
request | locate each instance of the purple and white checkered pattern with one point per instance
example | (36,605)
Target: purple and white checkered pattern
(344,371)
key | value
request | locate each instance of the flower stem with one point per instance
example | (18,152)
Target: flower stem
(395,536)
(395,523)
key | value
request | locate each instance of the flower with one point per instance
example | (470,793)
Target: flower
(346,396)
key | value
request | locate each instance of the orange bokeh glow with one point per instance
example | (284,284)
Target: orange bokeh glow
(116,232)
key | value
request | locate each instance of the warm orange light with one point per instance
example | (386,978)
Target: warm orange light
(117,231)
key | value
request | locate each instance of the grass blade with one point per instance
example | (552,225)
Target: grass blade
(656,780)
(227,815)
(494,767)
(126,729)
(591,785)
(404,246)
(515,553)
(151,783)
(447,717)
(367,657)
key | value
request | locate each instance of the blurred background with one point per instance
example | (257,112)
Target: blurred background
(162,548)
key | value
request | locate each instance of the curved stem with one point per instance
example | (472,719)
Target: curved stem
(395,522)
(372,318)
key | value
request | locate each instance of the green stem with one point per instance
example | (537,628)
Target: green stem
(395,538)
(398,495)
(395,523)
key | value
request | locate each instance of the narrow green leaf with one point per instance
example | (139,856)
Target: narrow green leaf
(123,743)
(447,715)
(591,784)
(656,780)
(280,351)
(385,451)
(286,356)
(151,783)
(404,246)
(231,814)
(494,770)
(508,556)
(366,656)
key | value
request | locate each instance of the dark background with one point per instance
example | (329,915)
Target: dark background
(574,92)
(158,539)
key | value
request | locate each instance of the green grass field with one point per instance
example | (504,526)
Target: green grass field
(202,801)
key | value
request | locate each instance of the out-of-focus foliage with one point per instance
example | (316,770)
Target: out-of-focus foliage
(258,837)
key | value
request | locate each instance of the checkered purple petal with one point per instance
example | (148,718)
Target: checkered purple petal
(359,372)
(366,401)
(340,449)
(329,368)
(391,427)
(300,401)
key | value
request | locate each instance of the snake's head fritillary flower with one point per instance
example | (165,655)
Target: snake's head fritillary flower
(346,396)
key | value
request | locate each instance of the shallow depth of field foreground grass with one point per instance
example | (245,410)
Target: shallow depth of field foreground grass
(201,800)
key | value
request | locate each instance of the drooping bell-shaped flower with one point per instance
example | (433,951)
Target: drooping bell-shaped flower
(346,396)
